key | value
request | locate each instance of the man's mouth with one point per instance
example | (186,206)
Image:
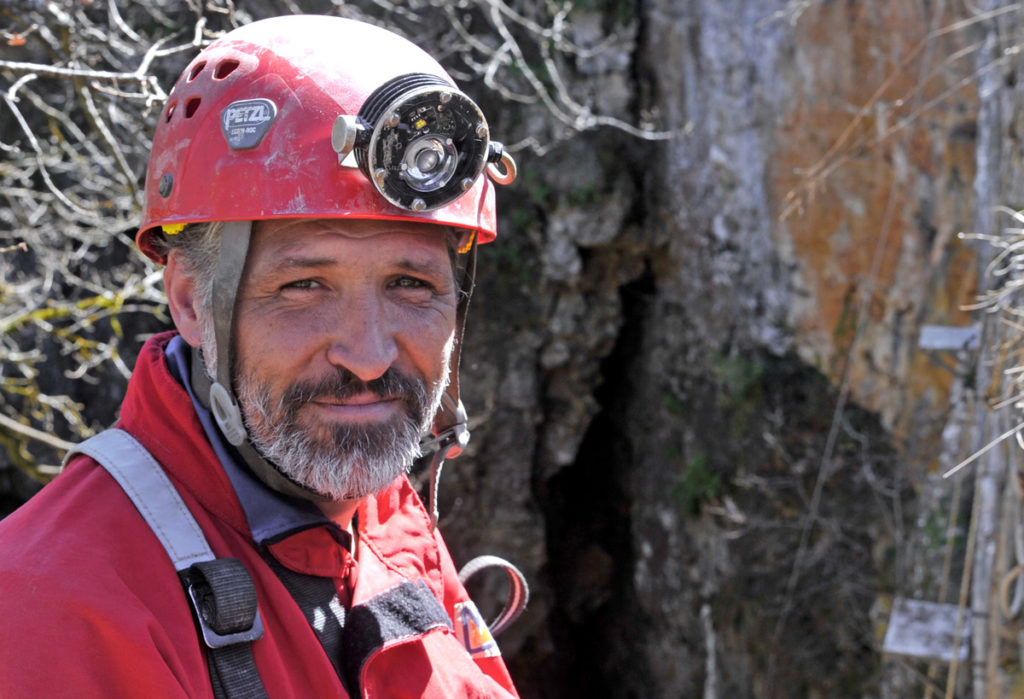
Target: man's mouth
(342,398)
(361,407)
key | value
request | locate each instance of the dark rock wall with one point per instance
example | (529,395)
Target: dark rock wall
(705,350)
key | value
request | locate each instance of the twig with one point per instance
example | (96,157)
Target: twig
(33,433)
(11,248)
(981,452)
(63,198)
(58,72)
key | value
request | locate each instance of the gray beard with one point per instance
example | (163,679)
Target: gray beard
(339,461)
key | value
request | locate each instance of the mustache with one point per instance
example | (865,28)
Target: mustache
(343,384)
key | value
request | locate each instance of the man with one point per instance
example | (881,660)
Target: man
(316,190)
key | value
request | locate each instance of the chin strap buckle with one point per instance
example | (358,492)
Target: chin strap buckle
(452,439)
(227,414)
(450,442)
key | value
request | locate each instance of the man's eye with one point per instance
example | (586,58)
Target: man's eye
(301,284)
(410,283)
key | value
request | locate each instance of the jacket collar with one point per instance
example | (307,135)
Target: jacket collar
(271,516)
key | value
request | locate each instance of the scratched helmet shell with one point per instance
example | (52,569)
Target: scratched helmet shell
(246,133)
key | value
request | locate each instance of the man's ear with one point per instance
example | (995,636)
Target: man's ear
(182,300)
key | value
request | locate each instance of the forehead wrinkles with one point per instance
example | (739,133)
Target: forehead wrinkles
(348,227)
(291,234)
(415,251)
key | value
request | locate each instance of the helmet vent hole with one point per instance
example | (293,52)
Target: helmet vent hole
(170,111)
(224,69)
(196,70)
(191,106)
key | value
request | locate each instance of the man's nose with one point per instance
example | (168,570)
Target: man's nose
(362,341)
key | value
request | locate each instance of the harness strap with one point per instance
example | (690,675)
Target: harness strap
(153,494)
(224,602)
(318,600)
(220,590)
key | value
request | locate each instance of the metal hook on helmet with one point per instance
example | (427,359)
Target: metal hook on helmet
(509,175)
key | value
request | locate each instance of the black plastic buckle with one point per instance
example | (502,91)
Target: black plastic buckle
(218,640)
(224,602)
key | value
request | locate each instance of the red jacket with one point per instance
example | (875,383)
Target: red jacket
(90,604)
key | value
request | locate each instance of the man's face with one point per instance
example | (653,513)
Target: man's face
(343,334)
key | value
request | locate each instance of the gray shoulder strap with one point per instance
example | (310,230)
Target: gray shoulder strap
(152,492)
(220,590)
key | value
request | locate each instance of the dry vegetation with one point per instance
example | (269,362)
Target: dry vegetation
(81,83)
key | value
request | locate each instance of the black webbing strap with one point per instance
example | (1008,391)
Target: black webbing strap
(318,600)
(224,606)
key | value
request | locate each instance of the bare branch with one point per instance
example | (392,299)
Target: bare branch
(32,433)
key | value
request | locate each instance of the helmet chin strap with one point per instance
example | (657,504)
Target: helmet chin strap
(219,395)
(450,425)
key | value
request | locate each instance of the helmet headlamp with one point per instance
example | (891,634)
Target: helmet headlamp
(420,141)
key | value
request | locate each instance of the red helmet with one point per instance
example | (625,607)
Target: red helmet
(246,133)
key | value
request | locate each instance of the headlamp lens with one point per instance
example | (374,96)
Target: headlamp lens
(429,163)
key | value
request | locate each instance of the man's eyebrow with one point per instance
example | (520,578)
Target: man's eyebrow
(424,267)
(289,262)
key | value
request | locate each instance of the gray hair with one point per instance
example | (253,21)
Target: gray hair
(198,246)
